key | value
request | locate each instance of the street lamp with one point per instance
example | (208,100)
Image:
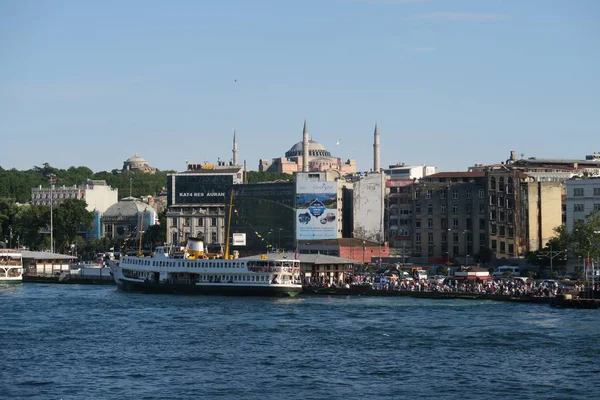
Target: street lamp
(363,252)
(448,244)
(279,238)
(466,255)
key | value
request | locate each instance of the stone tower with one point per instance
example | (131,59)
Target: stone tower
(376,164)
(305,148)
(235,149)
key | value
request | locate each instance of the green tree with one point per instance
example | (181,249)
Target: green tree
(584,239)
(257,177)
(71,219)
(8,216)
(484,256)
(29,223)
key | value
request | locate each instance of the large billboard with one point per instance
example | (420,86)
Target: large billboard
(316,210)
(198,189)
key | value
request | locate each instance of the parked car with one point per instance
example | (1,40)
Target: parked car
(506,272)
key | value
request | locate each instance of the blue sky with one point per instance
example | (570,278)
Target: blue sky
(450,83)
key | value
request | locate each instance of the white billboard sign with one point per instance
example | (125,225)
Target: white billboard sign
(316,210)
(239,239)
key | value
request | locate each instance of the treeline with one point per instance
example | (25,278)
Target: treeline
(17,185)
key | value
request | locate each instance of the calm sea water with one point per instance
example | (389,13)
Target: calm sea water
(94,342)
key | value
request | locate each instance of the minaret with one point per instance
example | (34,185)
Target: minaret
(305,148)
(235,149)
(376,165)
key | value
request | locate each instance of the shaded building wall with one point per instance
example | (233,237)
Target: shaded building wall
(508,216)
(450,219)
(544,213)
(265,213)
(368,206)
(347,210)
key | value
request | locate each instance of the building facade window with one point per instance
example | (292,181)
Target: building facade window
(455,223)
(481,193)
(596,191)
(468,192)
(578,207)
(455,194)
(430,223)
(430,238)
(578,192)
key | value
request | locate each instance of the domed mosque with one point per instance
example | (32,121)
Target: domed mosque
(127,217)
(318,159)
(137,163)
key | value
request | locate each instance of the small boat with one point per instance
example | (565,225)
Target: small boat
(11,266)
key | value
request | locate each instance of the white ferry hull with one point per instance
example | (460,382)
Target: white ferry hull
(11,281)
(204,288)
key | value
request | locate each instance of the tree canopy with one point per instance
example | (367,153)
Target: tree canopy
(17,185)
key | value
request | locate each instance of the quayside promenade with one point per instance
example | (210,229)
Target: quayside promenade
(571,294)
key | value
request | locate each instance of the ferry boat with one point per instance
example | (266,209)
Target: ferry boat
(11,266)
(194,271)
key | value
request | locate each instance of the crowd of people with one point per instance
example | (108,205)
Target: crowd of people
(491,286)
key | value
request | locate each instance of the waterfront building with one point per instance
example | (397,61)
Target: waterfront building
(523,212)
(399,216)
(358,250)
(139,164)
(263,217)
(403,171)
(97,194)
(582,197)
(197,200)
(549,169)
(43,263)
(368,208)
(127,218)
(450,222)
(307,156)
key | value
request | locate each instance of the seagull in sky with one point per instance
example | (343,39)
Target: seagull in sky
(338,142)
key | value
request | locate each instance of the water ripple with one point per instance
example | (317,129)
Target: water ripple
(70,342)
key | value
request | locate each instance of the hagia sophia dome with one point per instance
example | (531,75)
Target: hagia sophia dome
(315,149)
(319,159)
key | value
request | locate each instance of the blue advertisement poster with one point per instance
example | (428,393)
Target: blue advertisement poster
(316,210)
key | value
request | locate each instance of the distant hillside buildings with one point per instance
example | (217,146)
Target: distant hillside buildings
(137,163)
